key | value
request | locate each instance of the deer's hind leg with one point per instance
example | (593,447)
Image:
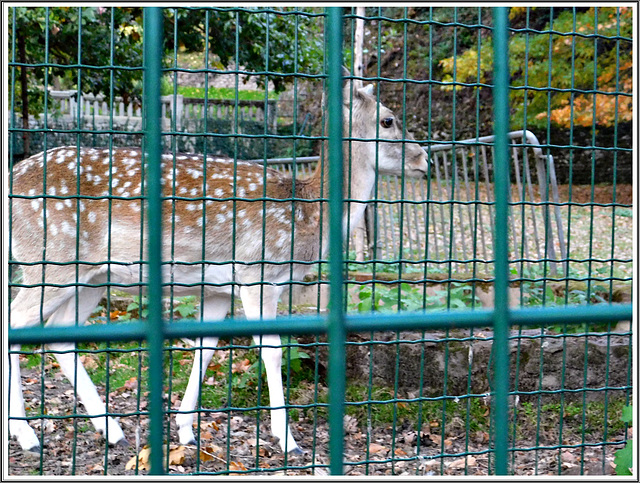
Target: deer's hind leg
(58,305)
(86,302)
(31,307)
(214,308)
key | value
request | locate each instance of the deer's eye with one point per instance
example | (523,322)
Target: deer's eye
(387,122)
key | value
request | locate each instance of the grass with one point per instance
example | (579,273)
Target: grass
(587,419)
(196,60)
(227,93)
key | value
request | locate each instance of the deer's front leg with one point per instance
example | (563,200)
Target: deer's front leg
(272,358)
(262,302)
(184,419)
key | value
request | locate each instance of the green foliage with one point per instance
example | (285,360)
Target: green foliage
(378,406)
(102,37)
(624,212)
(406,297)
(59,27)
(257,41)
(572,60)
(183,307)
(241,148)
(583,418)
(624,457)
(186,307)
(216,92)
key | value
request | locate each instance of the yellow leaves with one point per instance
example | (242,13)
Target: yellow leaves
(375,448)
(237,466)
(583,109)
(141,460)
(468,67)
(176,455)
(515,12)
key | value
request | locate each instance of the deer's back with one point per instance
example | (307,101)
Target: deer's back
(213,210)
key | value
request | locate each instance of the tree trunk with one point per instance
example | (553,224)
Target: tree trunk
(25,95)
(358,61)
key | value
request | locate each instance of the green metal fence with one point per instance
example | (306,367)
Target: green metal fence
(530,377)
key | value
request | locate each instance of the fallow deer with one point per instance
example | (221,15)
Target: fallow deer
(86,231)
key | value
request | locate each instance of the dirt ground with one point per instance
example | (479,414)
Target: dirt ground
(82,452)
(602,193)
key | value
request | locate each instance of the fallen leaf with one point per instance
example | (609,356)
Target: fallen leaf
(142,460)
(377,448)
(237,466)
(208,453)
(400,452)
(131,384)
(115,314)
(206,425)
(481,437)
(176,455)
(437,439)
(241,367)
(97,468)
(460,463)
(89,362)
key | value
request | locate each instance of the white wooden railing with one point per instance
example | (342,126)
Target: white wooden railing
(95,109)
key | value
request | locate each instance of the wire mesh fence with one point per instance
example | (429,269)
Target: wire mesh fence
(475,323)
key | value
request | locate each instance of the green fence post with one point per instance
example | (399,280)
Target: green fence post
(155,325)
(501,249)
(336,331)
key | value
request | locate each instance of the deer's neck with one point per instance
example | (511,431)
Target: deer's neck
(358,184)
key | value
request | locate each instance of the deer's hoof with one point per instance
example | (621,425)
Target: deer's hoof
(34,450)
(296,451)
(27,439)
(186,437)
(123,443)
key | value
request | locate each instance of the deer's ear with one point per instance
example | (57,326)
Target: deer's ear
(368,89)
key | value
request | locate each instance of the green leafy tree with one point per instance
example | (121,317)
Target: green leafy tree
(97,38)
(586,52)
(63,37)
(107,44)
(283,40)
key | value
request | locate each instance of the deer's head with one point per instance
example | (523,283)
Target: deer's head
(367,119)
